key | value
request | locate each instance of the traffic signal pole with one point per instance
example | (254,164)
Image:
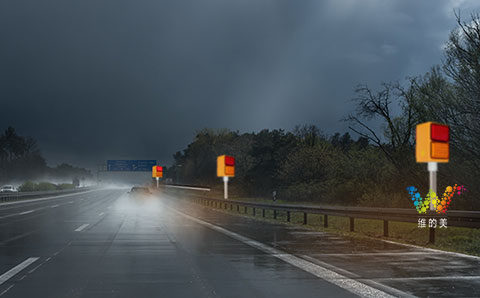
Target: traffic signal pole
(158,181)
(432,171)
(225,187)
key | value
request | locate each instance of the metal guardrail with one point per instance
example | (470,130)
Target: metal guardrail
(468,219)
(14,196)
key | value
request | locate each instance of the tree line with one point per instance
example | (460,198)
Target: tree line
(21,160)
(375,168)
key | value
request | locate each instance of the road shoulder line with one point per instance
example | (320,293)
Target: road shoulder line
(344,282)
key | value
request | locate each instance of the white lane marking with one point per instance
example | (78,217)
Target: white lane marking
(457,254)
(17,237)
(26,212)
(80,228)
(71,202)
(366,254)
(54,206)
(457,277)
(1,294)
(344,282)
(31,271)
(101,214)
(10,273)
(26,201)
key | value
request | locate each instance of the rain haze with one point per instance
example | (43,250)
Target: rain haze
(97,80)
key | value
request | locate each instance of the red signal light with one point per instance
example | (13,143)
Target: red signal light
(159,169)
(229,161)
(440,133)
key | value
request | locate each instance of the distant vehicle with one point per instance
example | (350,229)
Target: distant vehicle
(8,188)
(139,191)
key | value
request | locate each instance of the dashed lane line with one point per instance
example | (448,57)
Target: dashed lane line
(81,228)
(12,272)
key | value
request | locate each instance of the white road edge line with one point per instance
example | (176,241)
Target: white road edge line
(26,212)
(101,213)
(344,282)
(433,250)
(10,273)
(80,228)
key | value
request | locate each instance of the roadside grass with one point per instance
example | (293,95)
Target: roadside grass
(455,239)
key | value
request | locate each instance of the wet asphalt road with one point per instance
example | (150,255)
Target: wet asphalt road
(104,244)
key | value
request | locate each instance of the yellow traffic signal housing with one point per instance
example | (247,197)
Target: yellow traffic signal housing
(225,166)
(431,142)
(157,172)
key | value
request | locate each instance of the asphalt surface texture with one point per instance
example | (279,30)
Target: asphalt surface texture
(106,243)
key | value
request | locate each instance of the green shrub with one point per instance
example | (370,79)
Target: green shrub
(27,186)
(45,186)
(64,186)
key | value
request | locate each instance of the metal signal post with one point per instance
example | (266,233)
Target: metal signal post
(432,171)
(225,187)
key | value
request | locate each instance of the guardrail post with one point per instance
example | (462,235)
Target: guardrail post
(274,214)
(253,211)
(231,207)
(245,211)
(385,228)
(325,221)
(352,224)
(304,218)
(226,206)
(288,215)
(431,237)
(238,208)
(263,212)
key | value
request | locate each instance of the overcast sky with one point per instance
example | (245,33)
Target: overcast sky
(93,80)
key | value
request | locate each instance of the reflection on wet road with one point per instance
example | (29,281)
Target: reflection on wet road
(106,244)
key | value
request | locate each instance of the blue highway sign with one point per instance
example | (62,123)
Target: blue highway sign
(130,165)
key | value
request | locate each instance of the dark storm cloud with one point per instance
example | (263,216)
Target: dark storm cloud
(93,80)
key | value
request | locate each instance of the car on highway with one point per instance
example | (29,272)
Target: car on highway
(139,191)
(8,188)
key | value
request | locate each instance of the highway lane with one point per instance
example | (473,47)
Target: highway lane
(105,244)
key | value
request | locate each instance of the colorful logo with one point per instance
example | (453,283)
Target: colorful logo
(441,206)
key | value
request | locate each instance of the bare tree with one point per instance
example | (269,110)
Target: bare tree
(396,139)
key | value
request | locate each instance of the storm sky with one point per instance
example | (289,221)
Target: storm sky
(93,80)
